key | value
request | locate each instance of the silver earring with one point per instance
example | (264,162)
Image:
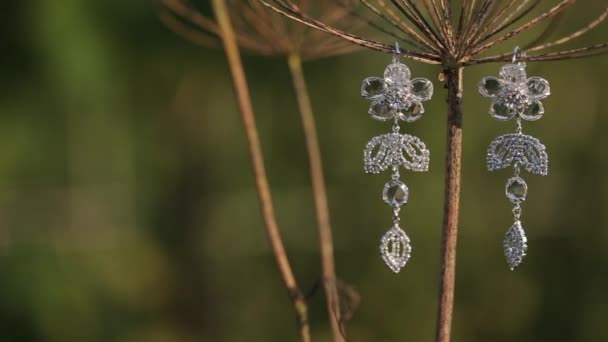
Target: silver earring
(516,96)
(396,97)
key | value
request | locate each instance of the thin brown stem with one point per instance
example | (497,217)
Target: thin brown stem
(483,14)
(409,9)
(401,27)
(406,26)
(549,29)
(590,26)
(186,32)
(528,25)
(194,17)
(386,31)
(451,204)
(594,50)
(319,195)
(503,18)
(180,8)
(255,152)
(300,17)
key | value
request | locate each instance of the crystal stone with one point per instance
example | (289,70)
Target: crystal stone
(513,73)
(538,87)
(533,111)
(372,87)
(395,193)
(501,111)
(490,86)
(381,111)
(422,89)
(412,113)
(397,74)
(514,96)
(516,190)
(397,97)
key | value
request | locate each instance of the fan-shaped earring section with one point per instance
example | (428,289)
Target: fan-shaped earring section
(525,150)
(394,149)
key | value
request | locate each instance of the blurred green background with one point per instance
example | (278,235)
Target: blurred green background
(128,211)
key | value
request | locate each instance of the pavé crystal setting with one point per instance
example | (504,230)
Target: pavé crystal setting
(514,245)
(394,149)
(523,150)
(396,97)
(395,248)
(516,96)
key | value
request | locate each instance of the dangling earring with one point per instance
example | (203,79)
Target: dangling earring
(516,96)
(395,97)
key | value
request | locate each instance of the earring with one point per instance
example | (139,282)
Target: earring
(516,96)
(396,97)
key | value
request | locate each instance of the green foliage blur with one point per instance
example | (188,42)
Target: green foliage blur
(128,210)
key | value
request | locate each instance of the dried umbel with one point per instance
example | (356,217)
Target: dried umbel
(451,32)
(264,32)
(455,35)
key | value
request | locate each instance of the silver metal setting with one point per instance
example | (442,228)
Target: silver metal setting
(516,96)
(396,97)
(394,149)
(516,148)
(515,245)
(395,248)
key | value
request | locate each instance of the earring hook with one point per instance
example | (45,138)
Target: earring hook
(397,53)
(518,53)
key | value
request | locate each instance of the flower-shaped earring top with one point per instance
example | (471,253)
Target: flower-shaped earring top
(514,94)
(396,96)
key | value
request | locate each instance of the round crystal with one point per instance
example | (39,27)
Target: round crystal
(502,111)
(490,86)
(381,111)
(397,74)
(395,193)
(538,87)
(422,88)
(516,190)
(372,87)
(533,111)
(412,113)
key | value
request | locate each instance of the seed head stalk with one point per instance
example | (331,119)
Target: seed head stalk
(263,32)
(326,245)
(255,151)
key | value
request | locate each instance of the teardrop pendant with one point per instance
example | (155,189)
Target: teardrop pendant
(515,245)
(395,248)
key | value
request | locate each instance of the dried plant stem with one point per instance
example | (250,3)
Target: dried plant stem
(451,205)
(319,195)
(255,151)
